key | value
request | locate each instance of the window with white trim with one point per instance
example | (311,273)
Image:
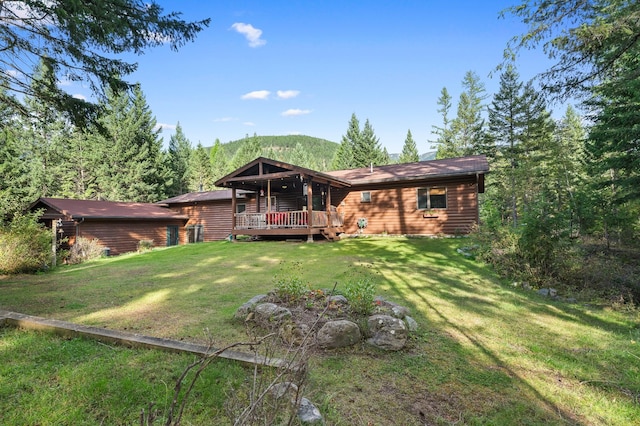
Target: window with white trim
(432,198)
(365,196)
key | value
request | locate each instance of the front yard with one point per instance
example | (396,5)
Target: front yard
(485,353)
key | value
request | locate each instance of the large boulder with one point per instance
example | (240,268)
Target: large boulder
(387,332)
(270,315)
(338,334)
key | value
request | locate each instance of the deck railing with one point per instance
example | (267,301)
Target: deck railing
(287,220)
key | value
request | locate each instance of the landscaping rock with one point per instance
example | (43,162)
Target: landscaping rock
(309,413)
(548,292)
(338,299)
(294,333)
(338,334)
(248,307)
(412,325)
(285,388)
(270,315)
(387,332)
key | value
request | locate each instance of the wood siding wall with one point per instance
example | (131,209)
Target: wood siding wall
(123,236)
(394,209)
(214,216)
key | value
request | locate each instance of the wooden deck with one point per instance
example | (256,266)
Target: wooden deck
(288,223)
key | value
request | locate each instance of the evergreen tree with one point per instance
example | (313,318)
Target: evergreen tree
(344,157)
(468,126)
(218,161)
(409,150)
(250,149)
(446,144)
(45,137)
(14,181)
(199,173)
(367,150)
(177,162)
(132,168)
(82,41)
(505,125)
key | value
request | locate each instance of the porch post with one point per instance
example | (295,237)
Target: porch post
(310,209)
(233,212)
(54,233)
(328,202)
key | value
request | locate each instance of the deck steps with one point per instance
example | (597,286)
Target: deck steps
(330,234)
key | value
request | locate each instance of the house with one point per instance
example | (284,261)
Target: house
(118,226)
(422,198)
(269,198)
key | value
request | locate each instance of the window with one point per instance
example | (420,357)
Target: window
(365,197)
(432,198)
(195,233)
(241,208)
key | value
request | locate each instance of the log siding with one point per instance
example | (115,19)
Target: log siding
(394,209)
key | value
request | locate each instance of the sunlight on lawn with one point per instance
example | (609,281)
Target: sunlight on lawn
(148,302)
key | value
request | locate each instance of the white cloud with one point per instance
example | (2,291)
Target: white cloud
(295,112)
(250,33)
(287,94)
(249,123)
(224,119)
(164,126)
(80,96)
(12,73)
(257,94)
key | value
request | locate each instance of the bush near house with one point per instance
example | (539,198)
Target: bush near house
(25,245)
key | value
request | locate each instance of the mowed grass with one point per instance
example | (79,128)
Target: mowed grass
(485,353)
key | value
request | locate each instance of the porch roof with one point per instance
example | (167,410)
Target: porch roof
(253,175)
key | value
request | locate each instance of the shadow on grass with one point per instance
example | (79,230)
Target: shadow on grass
(473,329)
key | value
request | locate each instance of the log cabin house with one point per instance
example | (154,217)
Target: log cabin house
(422,198)
(268,198)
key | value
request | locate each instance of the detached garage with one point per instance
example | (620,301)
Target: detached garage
(118,226)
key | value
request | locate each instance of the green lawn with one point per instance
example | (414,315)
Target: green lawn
(485,353)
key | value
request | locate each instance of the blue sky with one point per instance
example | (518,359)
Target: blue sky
(303,67)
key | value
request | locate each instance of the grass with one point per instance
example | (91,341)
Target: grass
(485,353)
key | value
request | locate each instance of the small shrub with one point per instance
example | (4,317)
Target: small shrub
(85,249)
(289,286)
(145,245)
(360,293)
(25,245)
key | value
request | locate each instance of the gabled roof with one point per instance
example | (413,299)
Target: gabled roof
(262,169)
(421,170)
(94,209)
(202,196)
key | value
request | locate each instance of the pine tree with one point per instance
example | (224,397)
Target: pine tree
(344,157)
(250,149)
(46,136)
(199,173)
(177,162)
(409,150)
(468,126)
(218,161)
(367,150)
(132,170)
(446,144)
(505,125)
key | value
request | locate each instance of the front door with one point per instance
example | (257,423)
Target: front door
(172,235)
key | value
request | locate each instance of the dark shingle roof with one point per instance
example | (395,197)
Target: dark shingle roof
(191,197)
(415,171)
(94,209)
